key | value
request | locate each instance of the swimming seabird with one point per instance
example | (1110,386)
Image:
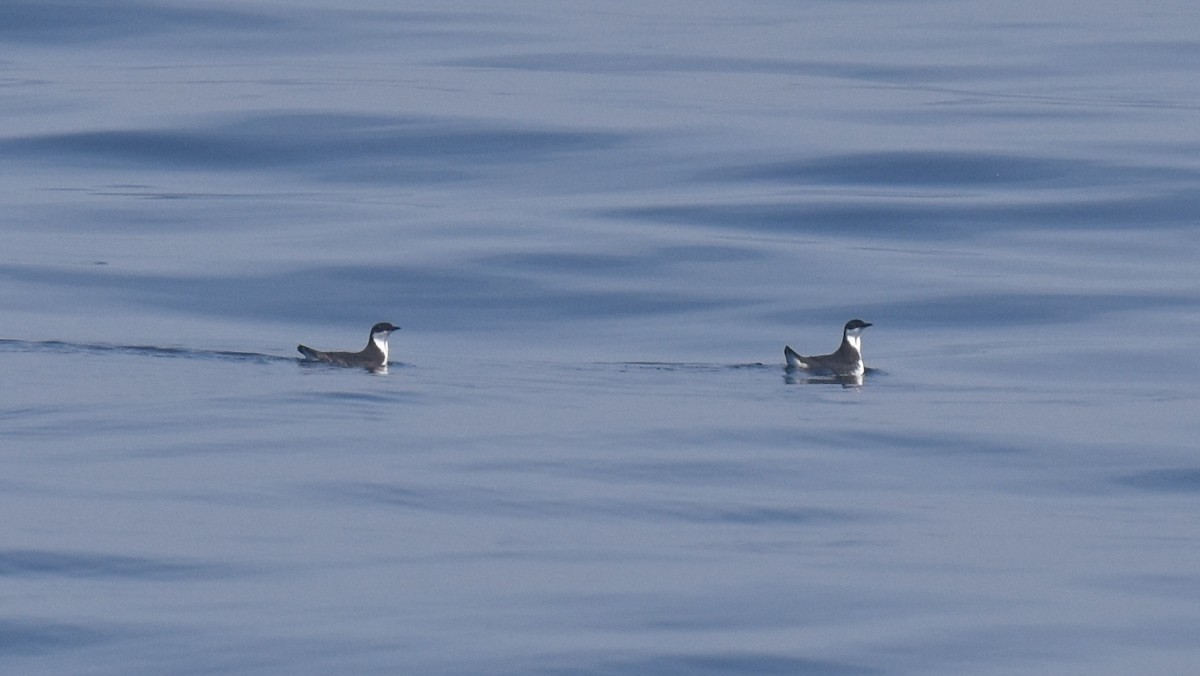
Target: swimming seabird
(373,356)
(847,361)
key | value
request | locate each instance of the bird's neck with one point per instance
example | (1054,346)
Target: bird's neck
(854,341)
(380,340)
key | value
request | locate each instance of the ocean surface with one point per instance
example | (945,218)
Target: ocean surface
(598,225)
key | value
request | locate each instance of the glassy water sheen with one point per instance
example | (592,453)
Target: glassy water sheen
(598,226)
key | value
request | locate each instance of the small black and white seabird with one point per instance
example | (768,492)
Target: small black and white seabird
(847,361)
(374,356)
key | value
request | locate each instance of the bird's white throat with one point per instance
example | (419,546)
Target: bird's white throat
(380,340)
(854,337)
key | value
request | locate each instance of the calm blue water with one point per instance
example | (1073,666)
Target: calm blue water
(598,226)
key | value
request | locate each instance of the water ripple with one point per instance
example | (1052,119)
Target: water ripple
(950,169)
(490,501)
(336,146)
(64,21)
(435,296)
(1177,480)
(924,217)
(762,664)
(58,346)
(35,563)
(32,638)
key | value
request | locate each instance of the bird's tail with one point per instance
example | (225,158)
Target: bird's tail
(309,353)
(793,359)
